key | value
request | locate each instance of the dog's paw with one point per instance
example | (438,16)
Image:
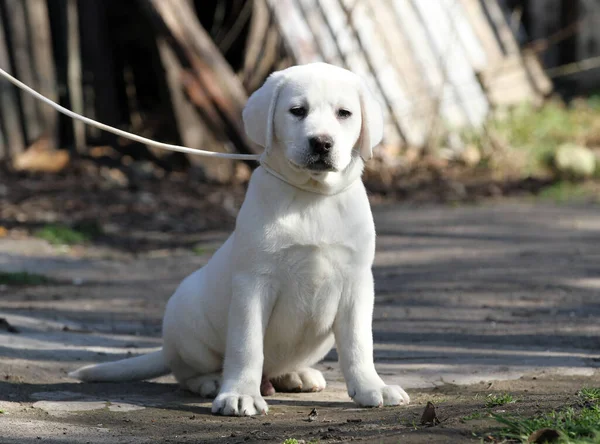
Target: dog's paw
(237,404)
(304,380)
(206,386)
(386,395)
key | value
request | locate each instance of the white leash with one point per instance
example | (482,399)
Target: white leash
(118,132)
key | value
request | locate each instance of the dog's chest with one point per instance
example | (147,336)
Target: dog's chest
(313,248)
(317,257)
(310,283)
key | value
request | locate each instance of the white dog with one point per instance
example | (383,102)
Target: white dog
(295,275)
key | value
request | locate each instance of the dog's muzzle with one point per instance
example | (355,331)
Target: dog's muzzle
(320,153)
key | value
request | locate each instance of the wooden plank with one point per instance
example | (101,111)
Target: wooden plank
(477,19)
(9,106)
(508,85)
(537,76)
(257,33)
(262,47)
(415,112)
(3,147)
(74,73)
(23,67)
(43,64)
(213,74)
(466,35)
(358,27)
(459,88)
(193,128)
(295,31)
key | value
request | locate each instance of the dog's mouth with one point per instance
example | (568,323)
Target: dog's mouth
(313,164)
(320,165)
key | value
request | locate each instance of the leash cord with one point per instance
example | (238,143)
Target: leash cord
(125,134)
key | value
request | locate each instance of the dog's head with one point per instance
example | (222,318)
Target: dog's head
(319,116)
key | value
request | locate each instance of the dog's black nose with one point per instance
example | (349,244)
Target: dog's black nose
(320,144)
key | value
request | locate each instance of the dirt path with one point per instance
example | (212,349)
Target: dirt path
(470,301)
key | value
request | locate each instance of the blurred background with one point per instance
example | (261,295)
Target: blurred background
(484,99)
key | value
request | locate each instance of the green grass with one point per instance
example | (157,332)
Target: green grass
(475,415)
(533,134)
(589,394)
(575,426)
(22,278)
(493,400)
(564,191)
(201,250)
(58,234)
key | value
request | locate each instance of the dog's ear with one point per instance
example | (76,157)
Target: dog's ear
(260,109)
(371,131)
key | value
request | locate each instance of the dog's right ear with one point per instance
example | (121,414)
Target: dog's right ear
(372,122)
(259,111)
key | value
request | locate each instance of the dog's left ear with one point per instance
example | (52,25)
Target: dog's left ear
(260,109)
(371,131)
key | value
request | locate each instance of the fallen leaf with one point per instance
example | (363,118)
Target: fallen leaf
(429,416)
(42,156)
(4,325)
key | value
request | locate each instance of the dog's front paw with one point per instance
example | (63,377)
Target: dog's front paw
(237,404)
(377,397)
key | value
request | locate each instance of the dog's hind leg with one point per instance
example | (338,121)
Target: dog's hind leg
(207,386)
(303,380)
(204,380)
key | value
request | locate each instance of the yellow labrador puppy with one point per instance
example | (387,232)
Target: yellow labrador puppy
(295,276)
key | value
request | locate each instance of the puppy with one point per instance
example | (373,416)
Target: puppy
(295,276)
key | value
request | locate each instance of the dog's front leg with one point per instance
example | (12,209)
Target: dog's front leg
(251,304)
(354,340)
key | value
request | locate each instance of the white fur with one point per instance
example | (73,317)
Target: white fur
(295,275)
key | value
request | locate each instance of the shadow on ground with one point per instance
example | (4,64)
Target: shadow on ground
(484,293)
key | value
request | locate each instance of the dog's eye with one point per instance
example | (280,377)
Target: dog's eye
(298,111)
(343,113)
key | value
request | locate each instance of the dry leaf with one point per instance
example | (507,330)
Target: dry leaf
(429,416)
(41,156)
(4,325)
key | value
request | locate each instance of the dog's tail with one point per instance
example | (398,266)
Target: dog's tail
(142,367)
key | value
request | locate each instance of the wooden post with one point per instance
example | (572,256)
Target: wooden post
(23,67)
(348,11)
(98,71)
(262,45)
(74,73)
(9,106)
(212,73)
(195,128)
(43,64)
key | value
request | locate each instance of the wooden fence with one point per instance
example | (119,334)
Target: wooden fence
(180,71)
(172,70)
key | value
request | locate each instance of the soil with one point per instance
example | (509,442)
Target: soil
(170,415)
(471,300)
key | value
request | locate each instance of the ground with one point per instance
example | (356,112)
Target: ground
(472,300)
